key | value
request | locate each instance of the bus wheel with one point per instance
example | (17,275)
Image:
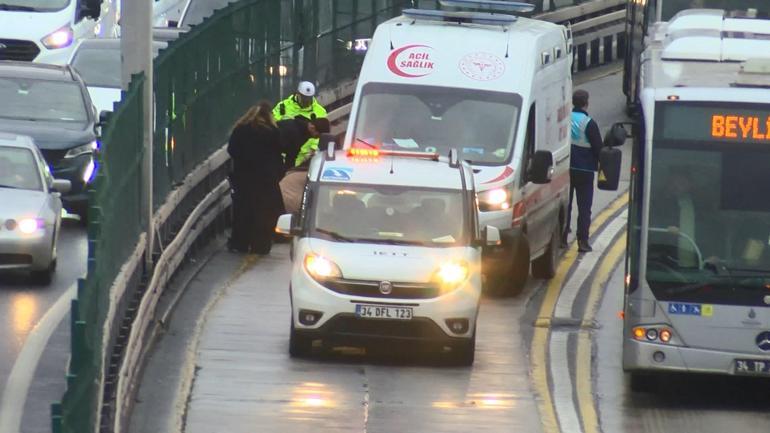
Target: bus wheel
(545,265)
(642,382)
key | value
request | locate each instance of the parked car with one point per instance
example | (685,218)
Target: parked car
(30,209)
(51,104)
(98,62)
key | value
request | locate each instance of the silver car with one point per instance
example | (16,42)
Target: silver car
(30,209)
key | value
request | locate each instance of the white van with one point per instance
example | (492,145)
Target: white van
(45,30)
(499,89)
(387,247)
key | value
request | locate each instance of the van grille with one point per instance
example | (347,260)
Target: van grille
(14,49)
(371,289)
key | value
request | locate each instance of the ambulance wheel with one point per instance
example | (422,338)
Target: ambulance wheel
(464,353)
(300,346)
(545,266)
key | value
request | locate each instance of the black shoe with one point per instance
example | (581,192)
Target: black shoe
(584,247)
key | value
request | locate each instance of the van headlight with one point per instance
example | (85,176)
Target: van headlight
(81,150)
(59,39)
(451,274)
(496,199)
(321,268)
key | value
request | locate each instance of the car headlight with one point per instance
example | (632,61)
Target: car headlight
(83,149)
(451,274)
(59,39)
(321,268)
(26,226)
(496,199)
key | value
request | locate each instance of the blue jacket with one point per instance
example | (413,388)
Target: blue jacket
(586,142)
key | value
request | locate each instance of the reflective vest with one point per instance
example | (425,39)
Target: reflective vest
(289,109)
(582,156)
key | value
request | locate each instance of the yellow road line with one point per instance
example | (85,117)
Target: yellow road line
(583,370)
(542,332)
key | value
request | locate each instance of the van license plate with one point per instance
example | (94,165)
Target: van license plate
(383,312)
(752,366)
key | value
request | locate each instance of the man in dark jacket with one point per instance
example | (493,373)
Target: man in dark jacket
(295,132)
(584,161)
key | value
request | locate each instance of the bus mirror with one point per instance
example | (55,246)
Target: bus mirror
(616,136)
(541,167)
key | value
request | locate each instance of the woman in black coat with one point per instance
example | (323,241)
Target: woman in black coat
(255,148)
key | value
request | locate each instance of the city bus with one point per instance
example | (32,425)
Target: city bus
(641,17)
(697,285)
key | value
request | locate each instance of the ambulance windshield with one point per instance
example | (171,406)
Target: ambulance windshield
(480,124)
(390,214)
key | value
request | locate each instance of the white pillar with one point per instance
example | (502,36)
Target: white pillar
(136,46)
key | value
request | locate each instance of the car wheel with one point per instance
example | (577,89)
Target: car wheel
(545,265)
(299,345)
(44,277)
(464,353)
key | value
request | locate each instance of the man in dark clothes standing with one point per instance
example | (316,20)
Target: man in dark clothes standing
(295,132)
(584,161)
(255,148)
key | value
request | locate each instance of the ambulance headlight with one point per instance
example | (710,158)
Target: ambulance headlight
(321,268)
(496,199)
(451,274)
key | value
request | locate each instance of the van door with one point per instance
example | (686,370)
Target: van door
(533,196)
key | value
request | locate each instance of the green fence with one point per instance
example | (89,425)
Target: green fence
(251,50)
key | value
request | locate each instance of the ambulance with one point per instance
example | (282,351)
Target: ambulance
(498,88)
(386,247)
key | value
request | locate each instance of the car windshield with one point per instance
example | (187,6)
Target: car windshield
(709,234)
(34,5)
(99,66)
(390,214)
(18,169)
(481,125)
(26,99)
(734,7)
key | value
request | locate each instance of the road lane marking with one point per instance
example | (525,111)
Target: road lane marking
(541,335)
(23,371)
(563,386)
(586,266)
(583,364)
(562,383)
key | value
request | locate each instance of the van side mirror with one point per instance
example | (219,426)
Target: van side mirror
(61,186)
(616,136)
(90,9)
(540,167)
(492,236)
(284,225)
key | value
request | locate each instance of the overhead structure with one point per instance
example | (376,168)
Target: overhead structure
(490,5)
(483,18)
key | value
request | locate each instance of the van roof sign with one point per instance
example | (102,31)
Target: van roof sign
(460,17)
(490,5)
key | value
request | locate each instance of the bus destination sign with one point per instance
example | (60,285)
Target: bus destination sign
(708,122)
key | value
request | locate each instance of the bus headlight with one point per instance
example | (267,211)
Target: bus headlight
(321,268)
(496,199)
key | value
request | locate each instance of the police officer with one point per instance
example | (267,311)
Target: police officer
(301,103)
(584,161)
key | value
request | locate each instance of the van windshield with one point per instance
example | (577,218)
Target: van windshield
(480,124)
(389,214)
(34,5)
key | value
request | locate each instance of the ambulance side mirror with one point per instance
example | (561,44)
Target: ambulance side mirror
(492,236)
(284,225)
(540,167)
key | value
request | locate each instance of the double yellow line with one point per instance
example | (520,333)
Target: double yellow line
(539,351)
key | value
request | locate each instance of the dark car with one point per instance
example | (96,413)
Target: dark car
(51,104)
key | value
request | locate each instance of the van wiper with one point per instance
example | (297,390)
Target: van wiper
(9,186)
(334,235)
(361,140)
(8,7)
